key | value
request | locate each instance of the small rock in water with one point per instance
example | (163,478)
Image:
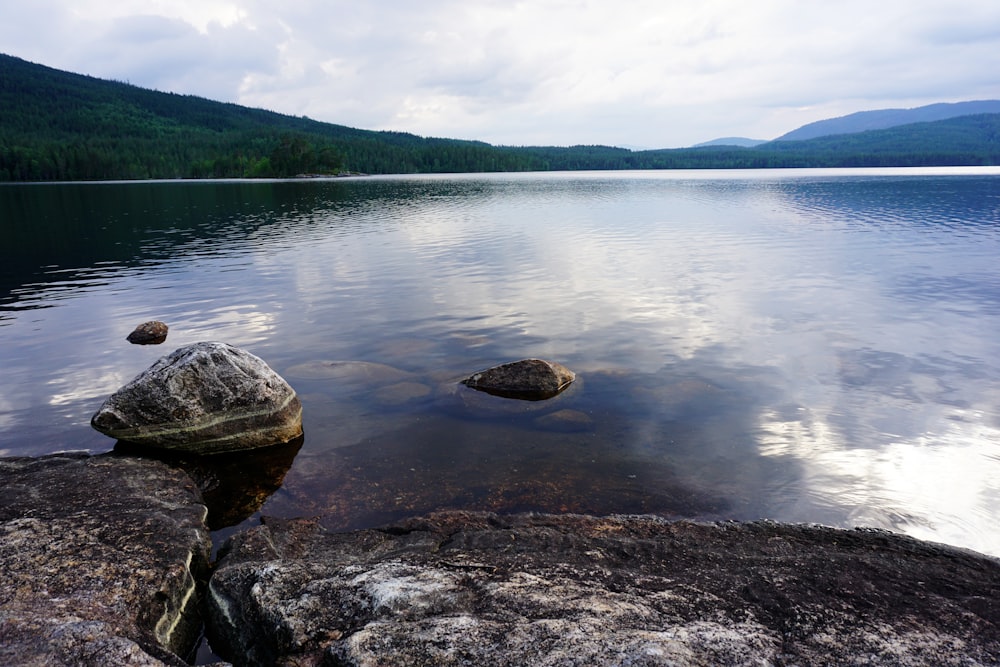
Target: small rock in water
(528,379)
(204,398)
(153,332)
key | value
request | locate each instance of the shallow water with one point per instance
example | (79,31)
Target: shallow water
(798,345)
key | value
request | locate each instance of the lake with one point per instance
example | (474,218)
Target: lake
(802,345)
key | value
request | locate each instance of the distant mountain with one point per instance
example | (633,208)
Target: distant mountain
(968,140)
(881,119)
(731,141)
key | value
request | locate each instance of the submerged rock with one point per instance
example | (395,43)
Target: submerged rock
(354,373)
(204,398)
(100,558)
(401,393)
(464,588)
(528,379)
(424,467)
(566,420)
(148,333)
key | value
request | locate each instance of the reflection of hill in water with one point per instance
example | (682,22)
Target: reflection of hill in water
(939,203)
(64,237)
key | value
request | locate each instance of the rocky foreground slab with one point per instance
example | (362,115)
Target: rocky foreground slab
(480,589)
(105,562)
(102,559)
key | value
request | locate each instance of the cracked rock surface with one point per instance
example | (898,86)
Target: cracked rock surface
(100,558)
(460,588)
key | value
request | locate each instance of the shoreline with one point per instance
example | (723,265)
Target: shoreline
(612,588)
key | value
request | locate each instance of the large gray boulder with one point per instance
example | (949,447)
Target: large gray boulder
(100,559)
(482,589)
(204,398)
(528,379)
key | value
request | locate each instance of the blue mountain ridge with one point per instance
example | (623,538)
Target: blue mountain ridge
(881,119)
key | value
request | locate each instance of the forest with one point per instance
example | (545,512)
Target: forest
(60,126)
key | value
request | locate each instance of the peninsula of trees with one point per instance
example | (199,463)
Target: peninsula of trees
(57,125)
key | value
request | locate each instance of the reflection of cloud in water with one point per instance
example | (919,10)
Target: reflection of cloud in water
(784,283)
(555,271)
(80,384)
(245,323)
(940,485)
(7,419)
(896,441)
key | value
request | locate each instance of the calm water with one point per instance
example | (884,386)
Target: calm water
(812,346)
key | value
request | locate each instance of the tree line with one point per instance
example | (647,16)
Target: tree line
(57,125)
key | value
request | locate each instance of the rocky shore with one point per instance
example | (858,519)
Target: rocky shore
(106,563)
(104,559)
(107,560)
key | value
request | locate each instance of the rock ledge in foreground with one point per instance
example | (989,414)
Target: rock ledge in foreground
(463,588)
(204,398)
(100,558)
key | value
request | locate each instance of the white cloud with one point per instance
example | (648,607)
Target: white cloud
(635,72)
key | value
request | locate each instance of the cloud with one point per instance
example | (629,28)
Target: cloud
(172,54)
(638,72)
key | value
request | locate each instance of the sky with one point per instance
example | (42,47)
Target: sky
(632,73)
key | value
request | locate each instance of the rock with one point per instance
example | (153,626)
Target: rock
(148,333)
(528,379)
(100,558)
(481,589)
(461,401)
(204,398)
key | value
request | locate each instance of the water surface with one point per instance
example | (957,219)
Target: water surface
(798,345)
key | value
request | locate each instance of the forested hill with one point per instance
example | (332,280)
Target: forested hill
(57,125)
